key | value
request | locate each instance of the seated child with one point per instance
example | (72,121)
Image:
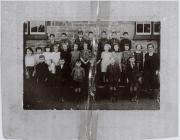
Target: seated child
(138,54)
(78,75)
(42,70)
(55,56)
(105,61)
(85,57)
(38,53)
(47,54)
(29,63)
(113,75)
(134,78)
(75,55)
(125,56)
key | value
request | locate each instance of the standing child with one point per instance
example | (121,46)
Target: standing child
(138,54)
(65,54)
(125,56)
(85,57)
(133,80)
(29,63)
(75,55)
(113,75)
(42,70)
(105,61)
(55,56)
(78,75)
(62,77)
(38,53)
(47,54)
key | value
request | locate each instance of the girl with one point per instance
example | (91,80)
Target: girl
(138,54)
(55,56)
(75,55)
(29,63)
(105,61)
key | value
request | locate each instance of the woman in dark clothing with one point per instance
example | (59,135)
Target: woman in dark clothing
(151,69)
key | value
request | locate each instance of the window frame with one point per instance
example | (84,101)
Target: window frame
(143,22)
(156,33)
(37,33)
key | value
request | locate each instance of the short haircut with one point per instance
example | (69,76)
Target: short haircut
(103,32)
(64,34)
(125,33)
(29,48)
(90,32)
(114,32)
(52,35)
(41,56)
(137,45)
(80,32)
(47,47)
(150,44)
(38,48)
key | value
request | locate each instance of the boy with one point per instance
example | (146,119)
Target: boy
(114,40)
(113,74)
(80,40)
(38,53)
(65,40)
(78,75)
(124,41)
(42,70)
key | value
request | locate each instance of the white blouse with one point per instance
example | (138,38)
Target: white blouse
(30,61)
(55,57)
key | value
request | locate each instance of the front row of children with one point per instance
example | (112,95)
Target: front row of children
(58,69)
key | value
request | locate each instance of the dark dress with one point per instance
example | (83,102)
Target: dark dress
(42,72)
(139,60)
(123,42)
(151,64)
(66,55)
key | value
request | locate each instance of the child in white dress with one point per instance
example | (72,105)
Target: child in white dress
(105,61)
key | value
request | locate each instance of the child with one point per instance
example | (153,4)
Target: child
(105,61)
(125,56)
(80,40)
(85,57)
(47,54)
(65,54)
(62,73)
(38,53)
(138,54)
(55,56)
(78,75)
(75,55)
(113,75)
(42,70)
(117,56)
(52,74)
(29,63)
(132,71)
(124,41)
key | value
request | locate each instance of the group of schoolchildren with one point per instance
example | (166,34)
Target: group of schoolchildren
(63,64)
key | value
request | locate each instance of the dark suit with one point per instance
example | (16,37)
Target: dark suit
(80,43)
(123,42)
(112,42)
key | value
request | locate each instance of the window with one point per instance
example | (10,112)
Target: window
(143,28)
(156,28)
(37,27)
(26,27)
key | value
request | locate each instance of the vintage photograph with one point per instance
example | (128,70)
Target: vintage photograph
(91,65)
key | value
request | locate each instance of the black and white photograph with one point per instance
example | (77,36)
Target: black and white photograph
(91,65)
